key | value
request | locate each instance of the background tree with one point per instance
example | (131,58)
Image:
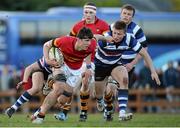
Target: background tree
(39,5)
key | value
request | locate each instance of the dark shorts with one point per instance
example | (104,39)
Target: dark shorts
(104,70)
(43,70)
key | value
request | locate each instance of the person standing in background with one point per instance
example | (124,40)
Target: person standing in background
(170,79)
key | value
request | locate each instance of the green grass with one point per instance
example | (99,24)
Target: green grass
(95,120)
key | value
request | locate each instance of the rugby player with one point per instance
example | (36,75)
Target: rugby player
(74,50)
(39,72)
(129,57)
(97,26)
(108,56)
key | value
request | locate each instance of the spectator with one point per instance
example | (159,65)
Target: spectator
(6,87)
(144,77)
(145,82)
(5,78)
(170,78)
(13,81)
(178,79)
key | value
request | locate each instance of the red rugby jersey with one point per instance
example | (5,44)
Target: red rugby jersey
(98,27)
(72,57)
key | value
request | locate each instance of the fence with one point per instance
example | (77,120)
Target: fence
(138,100)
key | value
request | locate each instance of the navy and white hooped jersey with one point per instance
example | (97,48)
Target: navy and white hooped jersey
(111,53)
(138,34)
(136,31)
(44,66)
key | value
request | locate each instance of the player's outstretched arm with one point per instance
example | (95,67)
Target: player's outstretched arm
(148,60)
(27,73)
(104,38)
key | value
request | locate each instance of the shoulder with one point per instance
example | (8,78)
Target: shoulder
(64,39)
(102,43)
(79,23)
(134,25)
(61,38)
(129,38)
(102,22)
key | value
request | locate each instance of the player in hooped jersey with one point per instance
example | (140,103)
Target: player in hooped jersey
(108,56)
(39,72)
(74,51)
(129,57)
(97,26)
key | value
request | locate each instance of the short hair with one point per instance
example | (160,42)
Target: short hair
(129,7)
(90,6)
(85,33)
(90,3)
(120,25)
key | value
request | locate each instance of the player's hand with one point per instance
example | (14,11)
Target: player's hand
(53,63)
(109,39)
(62,100)
(87,76)
(21,84)
(129,67)
(155,77)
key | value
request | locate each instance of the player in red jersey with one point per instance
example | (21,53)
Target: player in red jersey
(97,26)
(74,51)
(90,20)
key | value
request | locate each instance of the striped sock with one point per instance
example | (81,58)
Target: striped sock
(108,99)
(99,100)
(84,101)
(122,100)
(66,108)
(21,100)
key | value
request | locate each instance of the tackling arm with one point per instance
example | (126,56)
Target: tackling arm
(27,73)
(148,60)
(104,38)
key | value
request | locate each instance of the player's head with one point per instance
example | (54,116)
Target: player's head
(127,13)
(85,33)
(118,31)
(89,12)
(170,64)
(84,38)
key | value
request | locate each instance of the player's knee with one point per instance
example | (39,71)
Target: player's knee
(125,81)
(85,86)
(57,90)
(34,90)
(56,79)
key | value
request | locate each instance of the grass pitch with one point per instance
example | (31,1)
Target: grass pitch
(94,120)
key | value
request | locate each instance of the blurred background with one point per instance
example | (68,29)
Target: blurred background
(26,24)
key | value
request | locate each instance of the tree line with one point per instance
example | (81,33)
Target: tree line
(39,5)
